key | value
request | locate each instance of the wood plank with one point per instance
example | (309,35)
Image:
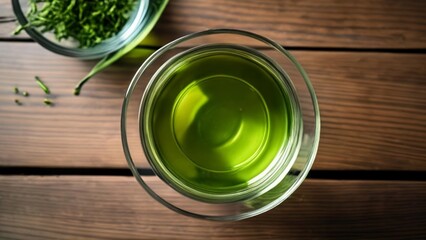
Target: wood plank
(74,207)
(78,131)
(308,23)
(372,109)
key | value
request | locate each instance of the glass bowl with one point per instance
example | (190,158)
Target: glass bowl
(139,20)
(213,175)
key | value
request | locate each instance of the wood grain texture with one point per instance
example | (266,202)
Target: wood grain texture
(308,23)
(76,131)
(117,208)
(372,109)
(7,28)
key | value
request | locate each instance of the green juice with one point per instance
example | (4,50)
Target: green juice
(219,122)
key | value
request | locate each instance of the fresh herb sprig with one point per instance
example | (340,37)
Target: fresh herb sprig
(158,6)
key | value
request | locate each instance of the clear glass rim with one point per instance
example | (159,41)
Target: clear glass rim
(139,17)
(159,52)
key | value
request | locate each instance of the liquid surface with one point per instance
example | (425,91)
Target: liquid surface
(219,119)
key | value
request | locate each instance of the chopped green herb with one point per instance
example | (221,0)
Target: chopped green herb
(42,85)
(25,94)
(16,90)
(18,102)
(87,22)
(48,102)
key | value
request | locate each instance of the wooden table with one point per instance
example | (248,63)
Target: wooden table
(62,169)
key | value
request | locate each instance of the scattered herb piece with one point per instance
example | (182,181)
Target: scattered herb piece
(48,102)
(25,94)
(18,102)
(42,85)
(16,90)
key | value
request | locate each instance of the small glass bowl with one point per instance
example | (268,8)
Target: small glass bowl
(136,138)
(138,20)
